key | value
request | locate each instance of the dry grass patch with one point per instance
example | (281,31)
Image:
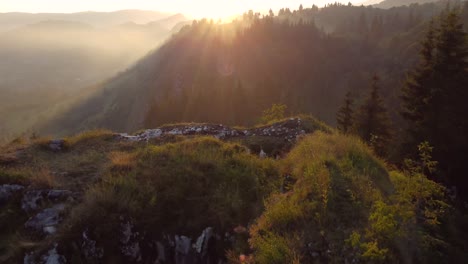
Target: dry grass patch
(122,161)
(88,136)
(42,142)
(43,178)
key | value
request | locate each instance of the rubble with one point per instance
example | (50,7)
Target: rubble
(289,130)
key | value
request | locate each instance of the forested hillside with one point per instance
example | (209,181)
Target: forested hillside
(317,135)
(307,59)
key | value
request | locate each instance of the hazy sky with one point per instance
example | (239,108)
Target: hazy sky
(194,8)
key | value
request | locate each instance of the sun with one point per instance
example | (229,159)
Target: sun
(217,9)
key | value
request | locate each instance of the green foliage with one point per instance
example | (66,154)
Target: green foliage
(425,164)
(345,205)
(330,198)
(274,113)
(275,249)
(434,97)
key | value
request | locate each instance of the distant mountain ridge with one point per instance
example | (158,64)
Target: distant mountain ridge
(386,4)
(394,3)
(9,21)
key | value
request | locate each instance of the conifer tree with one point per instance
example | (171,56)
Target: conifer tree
(372,122)
(417,89)
(344,117)
(434,96)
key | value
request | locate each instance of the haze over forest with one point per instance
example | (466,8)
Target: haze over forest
(232,132)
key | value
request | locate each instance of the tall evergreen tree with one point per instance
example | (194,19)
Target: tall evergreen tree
(344,117)
(372,122)
(417,89)
(434,96)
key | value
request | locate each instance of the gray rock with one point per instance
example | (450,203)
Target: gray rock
(262,154)
(58,195)
(56,144)
(33,199)
(89,248)
(51,257)
(129,242)
(161,253)
(46,221)
(29,259)
(183,244)
(7,190)
(201,246)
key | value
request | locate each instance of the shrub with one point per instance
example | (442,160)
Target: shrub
(274,113)
(344,205)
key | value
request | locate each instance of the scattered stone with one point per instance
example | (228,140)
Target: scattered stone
(161,253)
(89,248)
(183,244)
(29,258)
(7,190)
(51,257)
(129,241)
(56,144)
(262,154)
(33,199)
(288,130)
(202,242)
(58,195)
(46,221)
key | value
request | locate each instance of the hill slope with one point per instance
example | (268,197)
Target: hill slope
(173,196)
(9,21)
(230,73)
(46,64)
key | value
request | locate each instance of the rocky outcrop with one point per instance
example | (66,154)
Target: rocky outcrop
(90,249)
(34,199)
(56,144)
(129,241)
(7,190)
(46,221)
(51,257)
(288,130)
(48,208)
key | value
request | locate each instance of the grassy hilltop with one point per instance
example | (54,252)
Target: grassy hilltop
(324,197)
